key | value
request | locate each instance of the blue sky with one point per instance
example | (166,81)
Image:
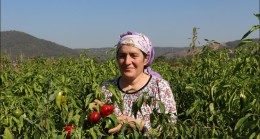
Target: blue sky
(98,23)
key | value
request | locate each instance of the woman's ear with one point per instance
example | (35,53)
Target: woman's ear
(146,59)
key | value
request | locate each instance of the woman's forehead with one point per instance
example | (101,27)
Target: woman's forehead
(129,48)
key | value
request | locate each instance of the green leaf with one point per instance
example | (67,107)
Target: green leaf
(140,101)
(241,121)
(58,98)
(136,134)
(250,31)
(189,111)
(252,135)
(82,118)
(211,118)
(76,118)
(258,136)
(8,134)
(124,129)
(63,79)
(114,92)
(258,16)
(93,133)
(245,41)
(211,107)
(98,132)
(108,123)
(52,96)
(37,87)
(89,99)
(116,96)
(161,106)
(60,137)
(114,119)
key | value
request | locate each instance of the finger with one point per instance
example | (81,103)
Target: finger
(98,102)
(125,119)
(115,129)
(120,118)
(93,105)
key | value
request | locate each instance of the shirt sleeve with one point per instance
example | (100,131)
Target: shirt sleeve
(105,90)
(165,95)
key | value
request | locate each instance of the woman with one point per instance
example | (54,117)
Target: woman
(134,55)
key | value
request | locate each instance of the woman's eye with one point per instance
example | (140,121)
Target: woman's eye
(134,56)
(121,56)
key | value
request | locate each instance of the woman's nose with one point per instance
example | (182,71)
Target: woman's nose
(128,60)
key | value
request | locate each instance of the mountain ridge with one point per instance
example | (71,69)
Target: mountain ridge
(17,43)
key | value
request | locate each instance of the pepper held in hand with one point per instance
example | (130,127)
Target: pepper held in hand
(106,110)
(94,117)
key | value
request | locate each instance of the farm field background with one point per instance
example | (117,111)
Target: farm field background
(217,94)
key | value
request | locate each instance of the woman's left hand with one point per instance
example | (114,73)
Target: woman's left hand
(126,119)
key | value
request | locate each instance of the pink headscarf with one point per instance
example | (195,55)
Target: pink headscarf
(141,42)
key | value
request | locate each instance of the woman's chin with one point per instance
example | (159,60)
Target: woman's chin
(128,75)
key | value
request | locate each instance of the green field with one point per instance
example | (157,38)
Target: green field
(217,94)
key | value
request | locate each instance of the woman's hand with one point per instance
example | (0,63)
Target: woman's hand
(129,120)
(97,102)
(122,119)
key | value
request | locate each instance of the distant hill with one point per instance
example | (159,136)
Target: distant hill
(159,51)
(16,43)
(184,52)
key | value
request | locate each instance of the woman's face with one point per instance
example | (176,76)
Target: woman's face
(131,61)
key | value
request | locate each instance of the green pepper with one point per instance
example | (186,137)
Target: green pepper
(61,99)
(17,112)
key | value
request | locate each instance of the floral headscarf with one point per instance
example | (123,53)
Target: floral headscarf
(141,42)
